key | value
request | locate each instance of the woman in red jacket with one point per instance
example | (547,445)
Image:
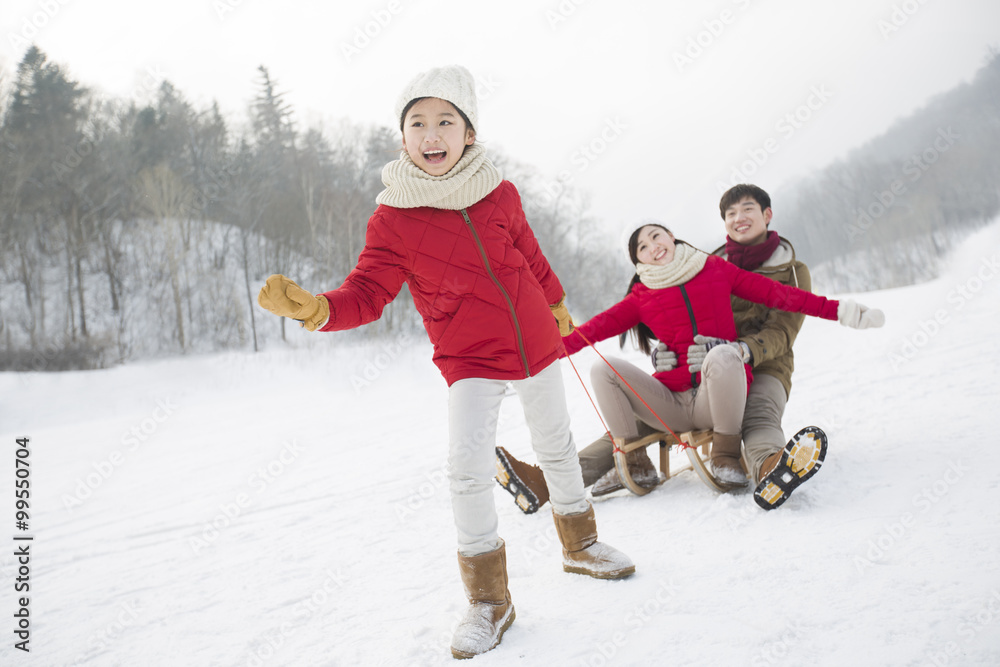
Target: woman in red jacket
(679,293)
(449,227)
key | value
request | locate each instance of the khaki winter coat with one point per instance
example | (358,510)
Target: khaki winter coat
(770,333)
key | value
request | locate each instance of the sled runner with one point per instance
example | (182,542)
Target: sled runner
(697,446)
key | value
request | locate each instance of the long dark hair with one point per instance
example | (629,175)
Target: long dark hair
(640,333)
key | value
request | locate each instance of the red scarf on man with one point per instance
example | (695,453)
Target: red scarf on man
(750,257)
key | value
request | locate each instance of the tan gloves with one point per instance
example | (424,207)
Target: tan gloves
(561,313)
(283,297)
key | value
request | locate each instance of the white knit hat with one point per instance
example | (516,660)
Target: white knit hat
(453,83)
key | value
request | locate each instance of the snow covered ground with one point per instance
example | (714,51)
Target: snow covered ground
(291,508)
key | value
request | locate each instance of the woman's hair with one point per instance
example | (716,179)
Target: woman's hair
(640,333)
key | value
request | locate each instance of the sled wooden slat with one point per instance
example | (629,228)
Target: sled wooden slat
(699,445)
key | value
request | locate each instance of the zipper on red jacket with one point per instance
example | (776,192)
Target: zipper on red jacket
(506,296)
(694,327)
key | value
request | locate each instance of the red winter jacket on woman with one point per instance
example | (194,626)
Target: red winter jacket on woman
(699,306)
(478,279)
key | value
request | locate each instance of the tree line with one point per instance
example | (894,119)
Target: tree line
(884,215)
(133,230)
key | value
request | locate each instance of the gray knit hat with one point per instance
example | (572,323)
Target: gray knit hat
(453,83)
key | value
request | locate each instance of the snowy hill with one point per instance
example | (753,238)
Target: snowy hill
(291,508)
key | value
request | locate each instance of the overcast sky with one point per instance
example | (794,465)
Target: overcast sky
(647,106)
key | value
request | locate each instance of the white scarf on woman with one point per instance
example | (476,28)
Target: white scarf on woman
(409,186)
(685,265)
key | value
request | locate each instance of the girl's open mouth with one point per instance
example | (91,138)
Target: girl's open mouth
(436,156)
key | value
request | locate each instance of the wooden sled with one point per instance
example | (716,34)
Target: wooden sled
(698,448)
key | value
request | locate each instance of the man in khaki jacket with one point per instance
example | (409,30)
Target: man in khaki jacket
(765,339)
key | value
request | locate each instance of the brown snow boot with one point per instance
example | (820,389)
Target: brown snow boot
(639,466)
(726,465)
(490,610)
(583,554)
(522,480)
(769,464)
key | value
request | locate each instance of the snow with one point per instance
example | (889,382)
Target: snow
(291,508)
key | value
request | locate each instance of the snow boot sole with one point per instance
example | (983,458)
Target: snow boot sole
(801,459)
(524,497)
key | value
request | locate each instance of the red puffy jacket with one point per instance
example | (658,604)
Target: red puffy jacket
(481,284)
(700,306)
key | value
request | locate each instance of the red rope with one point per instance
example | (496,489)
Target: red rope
(681,443)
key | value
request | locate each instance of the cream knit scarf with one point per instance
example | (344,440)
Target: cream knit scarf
(409,186)
(686,264)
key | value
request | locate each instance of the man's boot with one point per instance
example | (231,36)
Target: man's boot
(522,480)
(726,464)
(490,610)
(583,554)
(785,470)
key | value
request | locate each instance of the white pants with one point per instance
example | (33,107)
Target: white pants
(473,410)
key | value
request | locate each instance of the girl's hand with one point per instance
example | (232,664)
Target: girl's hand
(283,297)
(561,313)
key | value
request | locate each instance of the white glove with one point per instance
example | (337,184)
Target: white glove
(857,316)
(698,351)
(663,358)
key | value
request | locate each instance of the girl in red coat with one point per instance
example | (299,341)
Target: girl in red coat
(454,231)
(680,293)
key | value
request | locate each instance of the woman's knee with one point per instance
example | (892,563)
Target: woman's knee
(722,359)
(602,372)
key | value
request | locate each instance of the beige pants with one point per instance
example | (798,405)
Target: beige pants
(717,404)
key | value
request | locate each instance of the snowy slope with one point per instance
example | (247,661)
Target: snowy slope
(290,508)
